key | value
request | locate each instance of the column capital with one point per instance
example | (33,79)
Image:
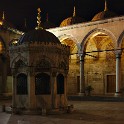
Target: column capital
(118,52)
(82,57)
(118,55)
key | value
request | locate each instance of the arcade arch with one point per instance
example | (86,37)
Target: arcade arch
(99,64)
(73,63)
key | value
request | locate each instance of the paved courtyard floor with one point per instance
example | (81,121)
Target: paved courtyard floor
(84,112)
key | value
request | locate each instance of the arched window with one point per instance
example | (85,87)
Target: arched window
(2,45)
(21,85)
(60,84)
(19,63)
(42,84)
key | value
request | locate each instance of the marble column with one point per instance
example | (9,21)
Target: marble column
(13,93)
(4,78)
(53,90)
(31,89)
(118,74)
(82,78)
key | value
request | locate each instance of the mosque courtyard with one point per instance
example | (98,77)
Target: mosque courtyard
(84,112)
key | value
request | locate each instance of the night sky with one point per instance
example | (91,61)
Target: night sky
(17,10)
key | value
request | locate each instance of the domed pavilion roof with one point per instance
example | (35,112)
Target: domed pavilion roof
(72,20)
(104,14)
(38,35)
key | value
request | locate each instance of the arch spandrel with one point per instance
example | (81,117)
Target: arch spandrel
(19,57)
(3,42)
(120,39)
(69,36)
(70,41)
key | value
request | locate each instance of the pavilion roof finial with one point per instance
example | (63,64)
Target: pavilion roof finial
(38,19)
(106,6)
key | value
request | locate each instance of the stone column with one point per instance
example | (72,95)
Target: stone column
(82,78)
(4,78)
(13,93)
(65,90)
(31,89)
(118,73)
(53,90)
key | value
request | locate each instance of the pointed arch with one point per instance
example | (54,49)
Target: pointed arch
(95,32)
(120,39)
(19,58)
(69,36)
(3,43)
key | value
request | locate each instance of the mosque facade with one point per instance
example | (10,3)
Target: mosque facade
(96,53)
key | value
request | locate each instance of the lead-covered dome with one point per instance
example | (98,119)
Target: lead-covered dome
(39,35)
(104,14)
(72,20)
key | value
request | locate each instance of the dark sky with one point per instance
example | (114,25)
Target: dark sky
(17,10)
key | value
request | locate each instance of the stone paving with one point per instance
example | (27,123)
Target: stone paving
(84,112)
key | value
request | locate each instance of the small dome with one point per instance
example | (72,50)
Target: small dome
(38,35)
(72,20)
(104,14)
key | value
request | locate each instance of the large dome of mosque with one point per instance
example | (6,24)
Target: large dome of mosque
(104,14)
(39,35)
(72,20)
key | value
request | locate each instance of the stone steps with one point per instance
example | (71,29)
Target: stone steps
(96,98)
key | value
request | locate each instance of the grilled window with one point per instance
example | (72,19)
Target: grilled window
(42,84)
(22,88)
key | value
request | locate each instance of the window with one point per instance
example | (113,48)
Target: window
(42,84)
(1,47)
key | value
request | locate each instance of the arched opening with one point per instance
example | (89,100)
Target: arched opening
(73,66)
(42,84)
(60,84)
(3,67)
(122,64)
(19,64)
(73,48)
(21,86)
(100,63)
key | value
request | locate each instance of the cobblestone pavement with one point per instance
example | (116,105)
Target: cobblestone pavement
(84,112)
